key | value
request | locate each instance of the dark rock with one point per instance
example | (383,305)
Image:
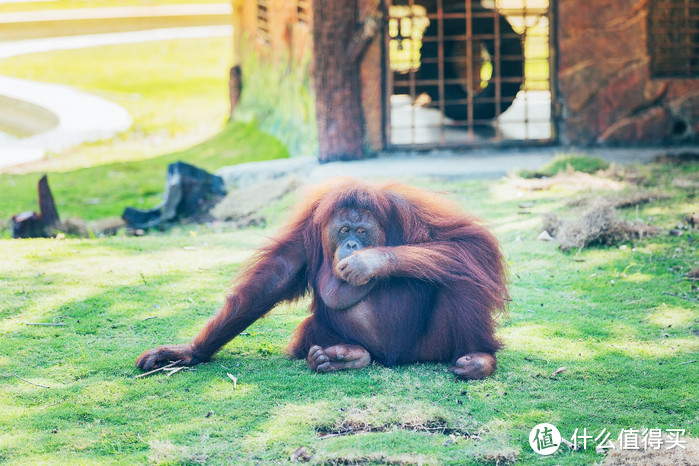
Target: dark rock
(189,193)
(27,225)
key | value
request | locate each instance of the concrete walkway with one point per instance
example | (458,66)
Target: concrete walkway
(474,164)
(23,47)
(74,14)
(81,117)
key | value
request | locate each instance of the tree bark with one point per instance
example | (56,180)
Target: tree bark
(337,81)
(33,225)
(47,206)
(235,86)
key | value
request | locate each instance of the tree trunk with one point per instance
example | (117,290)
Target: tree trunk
(337,81)
(47,206)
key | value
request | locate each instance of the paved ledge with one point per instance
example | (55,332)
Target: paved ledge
(472,164)
(23,47)
(73,14)
(81,118)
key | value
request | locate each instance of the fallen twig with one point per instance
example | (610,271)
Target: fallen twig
(687,362)
(175,370)
(234,379)
(145,374)
(32,383)
(532,359)
(149,318)
(559,370)
(324,436)
(52,404)
(52,324)
(680,296)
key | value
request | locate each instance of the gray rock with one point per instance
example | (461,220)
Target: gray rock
(245,202)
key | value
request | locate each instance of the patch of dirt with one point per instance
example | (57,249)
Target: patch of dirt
(676,456)
(104,227)
(570,180)
(499,456)
(626,173)
(377,458)
(437,426)
(686,182)
(596,224)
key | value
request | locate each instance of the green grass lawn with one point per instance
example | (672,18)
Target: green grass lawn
(105,190)
(176,91)
(601,313)
(174,106)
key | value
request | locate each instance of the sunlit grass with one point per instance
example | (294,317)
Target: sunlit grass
(628,348)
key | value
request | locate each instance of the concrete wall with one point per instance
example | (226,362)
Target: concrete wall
(606,91)
(287,37)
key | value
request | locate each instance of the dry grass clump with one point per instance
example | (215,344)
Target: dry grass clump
(677,158)
(76,226)
(623,200)
(498,456)
(598,223)
(570,180)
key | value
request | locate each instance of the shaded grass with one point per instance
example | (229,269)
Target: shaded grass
(623,344)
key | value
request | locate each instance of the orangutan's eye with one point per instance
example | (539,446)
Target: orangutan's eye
(344,230)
